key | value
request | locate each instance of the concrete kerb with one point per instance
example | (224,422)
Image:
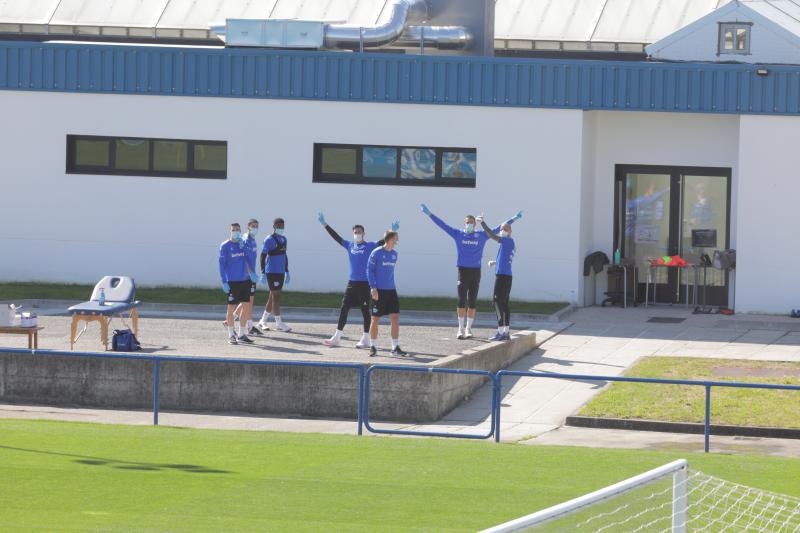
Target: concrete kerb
(681,427)
(298,314)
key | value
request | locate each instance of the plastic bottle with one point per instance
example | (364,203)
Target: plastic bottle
(102,298)
(617,257)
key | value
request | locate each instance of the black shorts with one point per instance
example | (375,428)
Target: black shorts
(239,293)
(252,289)
(356,294)
(387,303)
(275,281)
(469,281)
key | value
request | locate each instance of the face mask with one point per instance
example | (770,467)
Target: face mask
(504,233)
(358,237)
(236,235)
(469,228)
(252,231)
(278,231)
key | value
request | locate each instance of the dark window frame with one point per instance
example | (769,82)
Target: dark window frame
(359,179)
(723,28)
(73,168)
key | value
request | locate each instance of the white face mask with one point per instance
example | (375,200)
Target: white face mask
(469,228)
(503,233)
(252,231)
(358,237)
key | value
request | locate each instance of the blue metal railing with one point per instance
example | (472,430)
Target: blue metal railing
(364,375)
(583,377)
(158,359)
(431,370)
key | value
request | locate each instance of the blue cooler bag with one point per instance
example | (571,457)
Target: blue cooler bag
(124,341)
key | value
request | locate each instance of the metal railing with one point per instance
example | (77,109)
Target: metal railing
(583,377)
(365,373)
(431,370)
(158,359)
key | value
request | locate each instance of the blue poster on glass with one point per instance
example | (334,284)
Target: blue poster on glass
(459,164)
(418,163)
(379,162)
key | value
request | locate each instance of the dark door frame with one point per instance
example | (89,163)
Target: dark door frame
(675,172)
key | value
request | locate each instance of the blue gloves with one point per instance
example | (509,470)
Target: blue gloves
(226,287)
(262,279)
(287,278)
(518,215)
(253,277)
(425,209)
(395,225)
(321,218)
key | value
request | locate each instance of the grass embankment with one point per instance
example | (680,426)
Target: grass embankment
(193,295)
(679,403)
(60,476)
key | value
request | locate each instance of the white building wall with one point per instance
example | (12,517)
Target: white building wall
(768,243)
(76,228)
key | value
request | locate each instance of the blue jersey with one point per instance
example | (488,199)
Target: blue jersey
(380,268)
(469,246)
(358,253)
(505,255)
(275,250)
(251,247)
(233,261)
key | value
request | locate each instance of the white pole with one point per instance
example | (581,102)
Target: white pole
(680,505)
(566,508)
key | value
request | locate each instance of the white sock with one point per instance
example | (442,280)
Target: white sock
(364,337)
(505,329)
(395,343)
(278,320)
(338,334)
(249,325)
(469,322)
(501,329)
(241,330)
(371,341)
(230,332)
(461,322)
(265,317)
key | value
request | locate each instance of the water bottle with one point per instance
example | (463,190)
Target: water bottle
(617,257)
(102,298)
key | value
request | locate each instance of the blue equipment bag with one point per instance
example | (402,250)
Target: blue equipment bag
(124,341)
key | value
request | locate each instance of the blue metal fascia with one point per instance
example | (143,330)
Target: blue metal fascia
(391,78)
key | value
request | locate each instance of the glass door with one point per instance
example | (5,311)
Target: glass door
(658,212)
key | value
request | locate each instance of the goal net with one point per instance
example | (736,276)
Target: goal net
(672,498)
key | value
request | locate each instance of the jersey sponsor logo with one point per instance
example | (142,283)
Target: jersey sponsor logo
(358,250)
(388,263)
(470,243)
(239,254)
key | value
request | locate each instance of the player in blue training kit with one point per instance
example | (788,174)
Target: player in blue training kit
(233,272)
(356,294)
(502,281)
(245,310)
(380,275)
(274,272)
(469,248)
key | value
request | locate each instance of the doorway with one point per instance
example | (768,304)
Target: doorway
(658,210)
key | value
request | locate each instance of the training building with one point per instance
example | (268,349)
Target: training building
(133,133)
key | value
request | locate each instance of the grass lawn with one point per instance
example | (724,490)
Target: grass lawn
(193,295)
(62,476)
(676,403)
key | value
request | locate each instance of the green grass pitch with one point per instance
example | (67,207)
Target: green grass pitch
(60,476)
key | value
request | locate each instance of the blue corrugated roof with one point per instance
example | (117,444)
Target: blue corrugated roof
(341,76)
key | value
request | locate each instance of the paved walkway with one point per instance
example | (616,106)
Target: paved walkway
(596,341)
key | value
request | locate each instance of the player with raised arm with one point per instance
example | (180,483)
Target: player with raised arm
(357,293)
(275,273)
(502,281)
(235,279)
(469,247)
(380,274)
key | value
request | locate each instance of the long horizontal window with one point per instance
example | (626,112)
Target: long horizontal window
(137,156)
(395,165)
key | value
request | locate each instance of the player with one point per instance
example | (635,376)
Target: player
(251,247)
(274,272)
(380,274)
(357,293)
(235,279)
(469,248)
(502,281)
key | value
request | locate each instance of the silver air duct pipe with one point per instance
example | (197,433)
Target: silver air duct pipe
(403,15)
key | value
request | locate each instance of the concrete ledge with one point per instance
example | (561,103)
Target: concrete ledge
(682,427)
(249,388)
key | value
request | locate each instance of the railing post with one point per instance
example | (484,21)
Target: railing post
(360,400)
(156,372)
(498,385)
(707,430)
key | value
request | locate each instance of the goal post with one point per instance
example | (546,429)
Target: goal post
(677,469)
